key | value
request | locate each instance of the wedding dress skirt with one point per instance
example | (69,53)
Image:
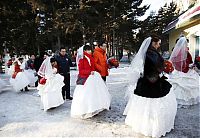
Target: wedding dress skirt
(151,116)
(51,92)
(186,86)
(20,81)
(91,98)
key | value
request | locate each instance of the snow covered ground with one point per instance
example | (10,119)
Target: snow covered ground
(21,116)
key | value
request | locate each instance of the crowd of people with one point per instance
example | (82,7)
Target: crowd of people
(154,95)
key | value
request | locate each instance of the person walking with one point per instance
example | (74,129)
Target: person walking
(19,79)
(91,94)
(152,107)
(184,79)
(64,64)
(50,90)
(100,60)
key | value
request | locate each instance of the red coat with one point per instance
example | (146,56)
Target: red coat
(16,70)
(100,61)
(85,68)
(185,64)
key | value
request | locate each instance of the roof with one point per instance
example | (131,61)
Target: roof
(171,25)
(182,19)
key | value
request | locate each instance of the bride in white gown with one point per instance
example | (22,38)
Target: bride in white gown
(152,106)
(185,81)
(91,94)
(51,91)
(19,79)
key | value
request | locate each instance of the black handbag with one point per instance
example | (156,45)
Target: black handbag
(81,80)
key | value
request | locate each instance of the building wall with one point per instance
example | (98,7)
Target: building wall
(173,35)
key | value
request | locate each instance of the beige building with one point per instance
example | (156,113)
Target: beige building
(188,23)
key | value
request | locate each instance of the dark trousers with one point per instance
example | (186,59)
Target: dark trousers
(36,83)
(66,87)
(104,78)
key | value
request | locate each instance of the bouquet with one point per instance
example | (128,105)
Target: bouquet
(168,67)
(42,81)
(14,75)
(112,62)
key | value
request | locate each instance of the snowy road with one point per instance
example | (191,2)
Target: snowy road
(20,115)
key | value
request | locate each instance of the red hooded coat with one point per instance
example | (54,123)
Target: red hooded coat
(85,68)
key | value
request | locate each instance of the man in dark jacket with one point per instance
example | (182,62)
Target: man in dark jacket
(30,63)
(64,64)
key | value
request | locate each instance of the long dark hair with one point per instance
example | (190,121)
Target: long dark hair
(53,60)
(87,47)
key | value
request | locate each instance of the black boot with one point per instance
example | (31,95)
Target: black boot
(69,98)
(26,88)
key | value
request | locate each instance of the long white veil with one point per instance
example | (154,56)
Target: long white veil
(136,69)
(137,64)
(179,54)
(46,69)
(79,55)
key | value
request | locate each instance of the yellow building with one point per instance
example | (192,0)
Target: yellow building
(188,23)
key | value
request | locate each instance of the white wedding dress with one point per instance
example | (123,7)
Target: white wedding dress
(186,87)
(151,116)
(91,98)
(51,91)
(30,73)
(20,81)
(31,76)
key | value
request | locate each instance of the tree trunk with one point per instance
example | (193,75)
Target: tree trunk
(58,44)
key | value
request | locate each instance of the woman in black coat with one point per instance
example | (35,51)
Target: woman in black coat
(152,107)
(151,85)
